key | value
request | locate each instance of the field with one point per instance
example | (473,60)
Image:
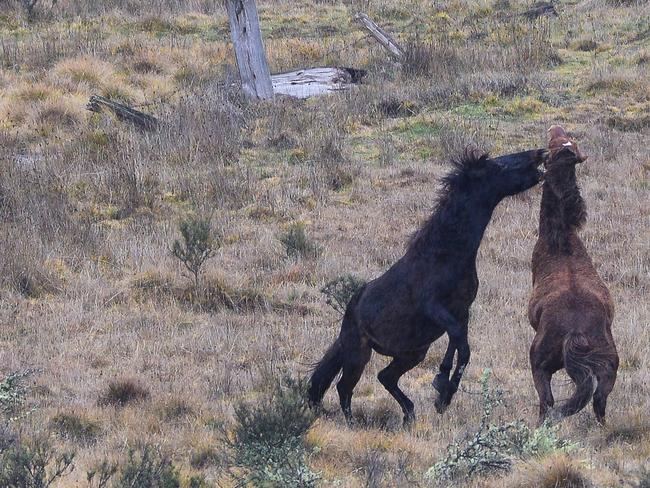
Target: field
(124,348)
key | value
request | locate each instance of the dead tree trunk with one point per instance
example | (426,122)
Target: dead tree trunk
(249,49)
(383,37)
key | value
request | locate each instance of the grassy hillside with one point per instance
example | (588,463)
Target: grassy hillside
(126,349)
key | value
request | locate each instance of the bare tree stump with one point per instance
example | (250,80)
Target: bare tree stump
(249,49)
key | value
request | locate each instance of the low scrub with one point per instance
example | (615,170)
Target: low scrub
(12,394)
(147,467)
(297,244)
(33,464)
(267,443)
(339,291)
(493,447)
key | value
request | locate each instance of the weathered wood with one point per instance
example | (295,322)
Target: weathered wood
(123,112)
(383,37)
(311,82)
(539,9)
(249,49)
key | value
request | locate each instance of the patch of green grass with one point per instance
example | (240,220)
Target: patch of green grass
(474,110)
(418,129)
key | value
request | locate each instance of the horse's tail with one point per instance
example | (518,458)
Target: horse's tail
(329,367)
(581,361)
(324,373)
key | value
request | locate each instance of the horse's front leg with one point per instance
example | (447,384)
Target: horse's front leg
(457,333)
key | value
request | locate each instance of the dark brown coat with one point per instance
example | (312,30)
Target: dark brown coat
(570,309)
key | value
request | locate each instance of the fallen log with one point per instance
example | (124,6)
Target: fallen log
(383,37)
(123,112)
(539,9)
(311,82)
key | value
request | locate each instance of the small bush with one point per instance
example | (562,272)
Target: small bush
(197,247)
(148,468)
(122,392)
(297,244)
(76,427)
(205,456)
(339,291)
(494,447)
(100,476)
(33,464)
(12,393)
(267,443)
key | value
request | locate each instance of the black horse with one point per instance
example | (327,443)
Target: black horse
(429,290)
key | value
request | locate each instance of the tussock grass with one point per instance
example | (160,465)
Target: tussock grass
(121,392)
(558,471)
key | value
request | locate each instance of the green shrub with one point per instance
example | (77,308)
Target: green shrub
(33,464)
(12,394)
(339,291)
(297,244)
(267,443)
(148,468)
(197,247)
(493,447)
(101,475)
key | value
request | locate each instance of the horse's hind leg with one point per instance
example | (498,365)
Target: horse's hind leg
(542,380)
(606,379)
(390,375)
(356,355)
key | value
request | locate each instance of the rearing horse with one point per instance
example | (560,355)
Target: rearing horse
(570,307)
(428,292)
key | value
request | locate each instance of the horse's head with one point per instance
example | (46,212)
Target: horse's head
(562,150)
(498,177)
(517,172)
(563,156)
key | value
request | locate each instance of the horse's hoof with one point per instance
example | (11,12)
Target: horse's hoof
(409,421)
(440,405)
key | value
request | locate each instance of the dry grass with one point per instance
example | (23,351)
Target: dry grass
(91,295)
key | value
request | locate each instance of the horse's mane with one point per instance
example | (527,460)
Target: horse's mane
(449,196)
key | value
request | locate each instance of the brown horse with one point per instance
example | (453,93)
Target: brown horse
(570,308)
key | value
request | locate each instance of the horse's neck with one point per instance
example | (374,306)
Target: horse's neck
(559,221)
(461,221)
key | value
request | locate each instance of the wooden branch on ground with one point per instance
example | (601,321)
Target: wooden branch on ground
(249,49)
(383,37)
(123,112)
(539,9)
(311,82)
